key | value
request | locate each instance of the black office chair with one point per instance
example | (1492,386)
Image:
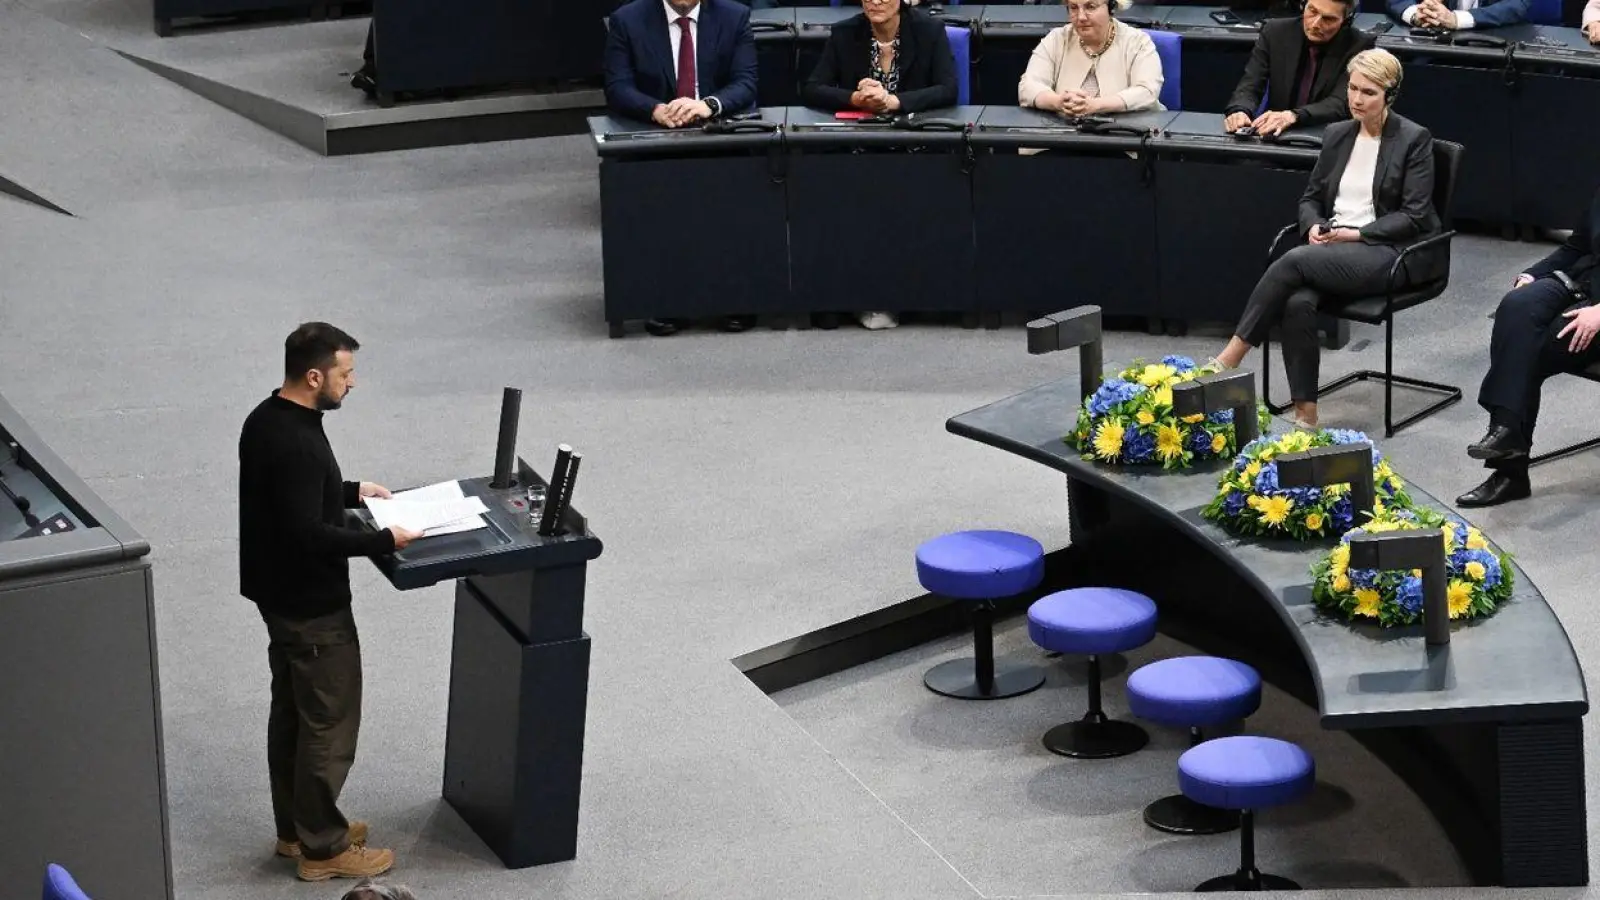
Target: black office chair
(1381,309)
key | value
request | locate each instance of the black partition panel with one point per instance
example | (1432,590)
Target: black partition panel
(1471,106)
(1557,165)
(1211,71)
(1059,229)
(880,230)
(1218,212)
(423,45)
(743,271)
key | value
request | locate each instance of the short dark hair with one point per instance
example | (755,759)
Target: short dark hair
(314,346)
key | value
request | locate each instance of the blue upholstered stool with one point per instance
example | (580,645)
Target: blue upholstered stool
(1093,621)
(1193,692)
(1246,773)
(981,566)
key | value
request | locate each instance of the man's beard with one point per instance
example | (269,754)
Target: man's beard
(326,401)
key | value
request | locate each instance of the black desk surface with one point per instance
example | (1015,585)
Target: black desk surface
(1516,665)
(617,136)
(816,128)
(1013,126)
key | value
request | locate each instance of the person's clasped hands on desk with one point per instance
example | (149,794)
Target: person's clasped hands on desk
(680,112)
(1591,21)
(871,95)
(1453,15)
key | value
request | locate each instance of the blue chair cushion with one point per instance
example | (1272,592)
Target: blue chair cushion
(1092,620)
(961,52)
(58,885)
(1245,772)
(980,565)
(1192,691)
(1169,48)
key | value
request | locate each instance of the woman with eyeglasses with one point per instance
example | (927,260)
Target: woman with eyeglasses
(1093,65)
(889,60)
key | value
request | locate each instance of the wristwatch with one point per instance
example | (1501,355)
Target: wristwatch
(714,104)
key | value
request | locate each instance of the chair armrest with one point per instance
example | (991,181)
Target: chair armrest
(1442,237)
(1285,231)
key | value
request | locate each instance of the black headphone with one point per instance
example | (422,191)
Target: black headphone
(1349,10)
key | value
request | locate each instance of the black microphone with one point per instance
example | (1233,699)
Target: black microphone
(558,480)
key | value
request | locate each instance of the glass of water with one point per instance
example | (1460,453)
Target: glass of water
(536,497)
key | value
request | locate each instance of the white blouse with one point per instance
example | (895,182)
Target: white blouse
(1352,206)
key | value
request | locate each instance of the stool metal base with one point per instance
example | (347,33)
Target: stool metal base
(958,678)
(1095,738)
(1178,814)
(1251,880)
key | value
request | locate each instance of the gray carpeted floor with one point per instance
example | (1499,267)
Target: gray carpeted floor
(748,488)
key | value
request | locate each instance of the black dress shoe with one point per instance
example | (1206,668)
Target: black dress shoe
(736,324)
(1499,443)
(1500,488)
(664,327)
(826,321)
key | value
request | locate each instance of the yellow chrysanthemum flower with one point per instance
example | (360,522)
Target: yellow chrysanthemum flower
(1335,491)
(1460,594)
(1314,522)
(1252,470)
(1162,395)
(1367,602)
(1190,420)
(1341,583)
(1218,441)
(1157,374)
(1476,571)
(1449,536)
(1169,442)
(1295,441)
(1275,510)
(1254,501)
(1475,539)
(1145,417)
(1340,556)
(1108,440)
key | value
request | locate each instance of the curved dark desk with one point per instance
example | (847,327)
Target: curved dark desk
(1488,729)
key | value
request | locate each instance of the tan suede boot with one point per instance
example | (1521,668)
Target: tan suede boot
(354,862)
(291,849)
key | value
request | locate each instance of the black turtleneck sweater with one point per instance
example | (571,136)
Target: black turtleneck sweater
(1579,255)
(294,543)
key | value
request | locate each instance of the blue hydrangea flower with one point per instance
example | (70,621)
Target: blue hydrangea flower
(1267,479)
(1350,436)
(1305,496)
(1181,363)
(1200,441)
(1221,417)
(1343,514)
(1491,565)
(1137,446)
(1409,594)
(1111,394)
(1363,577)
(1234,505)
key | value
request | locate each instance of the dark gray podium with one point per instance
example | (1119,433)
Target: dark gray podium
(519,670)
(82,781)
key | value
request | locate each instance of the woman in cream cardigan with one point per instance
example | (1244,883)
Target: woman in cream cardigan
(1093,64)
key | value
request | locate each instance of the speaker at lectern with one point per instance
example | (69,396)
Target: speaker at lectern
(519,659)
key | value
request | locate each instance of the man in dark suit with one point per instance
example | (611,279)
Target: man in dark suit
(1303,61)
(1452,15)
(677,63)
(1544,326)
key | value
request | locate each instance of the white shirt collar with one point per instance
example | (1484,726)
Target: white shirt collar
(672,14)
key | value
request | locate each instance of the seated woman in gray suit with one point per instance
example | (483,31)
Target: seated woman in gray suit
(1092,65)
(1369,196)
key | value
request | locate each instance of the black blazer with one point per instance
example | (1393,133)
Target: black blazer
(1274,68)
(927,66)
(1402,190)
(640,70)
(1579,255)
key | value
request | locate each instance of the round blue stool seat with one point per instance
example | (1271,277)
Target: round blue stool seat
(1092,621)
(1246,772)
(980,565)
(1194,691)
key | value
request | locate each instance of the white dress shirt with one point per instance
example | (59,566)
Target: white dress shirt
(1352,206)
(677,38)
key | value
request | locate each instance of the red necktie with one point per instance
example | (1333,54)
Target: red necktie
(686,60)
(1308,75)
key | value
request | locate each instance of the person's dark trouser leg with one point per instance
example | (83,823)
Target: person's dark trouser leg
(1302,358)
(324,656)
(1525,325)
(282,738)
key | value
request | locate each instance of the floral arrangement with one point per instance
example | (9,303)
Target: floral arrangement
(1479,576)
(1250,502)
(1129,419)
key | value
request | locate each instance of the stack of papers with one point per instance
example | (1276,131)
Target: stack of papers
(441,508)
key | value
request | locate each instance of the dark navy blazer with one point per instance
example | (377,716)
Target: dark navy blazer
(642,72)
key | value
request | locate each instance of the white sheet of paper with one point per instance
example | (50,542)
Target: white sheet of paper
(424,515)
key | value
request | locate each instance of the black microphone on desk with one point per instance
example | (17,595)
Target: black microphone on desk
(22,504)
(506,448)
(558,480)
(565,500)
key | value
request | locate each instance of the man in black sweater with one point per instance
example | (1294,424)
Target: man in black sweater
(1298,65)
(294,552)
(1544,326)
